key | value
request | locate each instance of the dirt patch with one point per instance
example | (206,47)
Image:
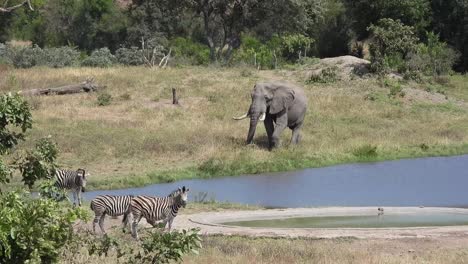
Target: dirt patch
(346,67)
(420,96)
(184,103)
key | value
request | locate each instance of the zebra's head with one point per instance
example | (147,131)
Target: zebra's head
(81,179)
(181,195)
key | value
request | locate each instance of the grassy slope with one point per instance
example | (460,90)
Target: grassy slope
(140,138)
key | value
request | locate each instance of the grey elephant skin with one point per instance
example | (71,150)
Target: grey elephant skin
(279,105)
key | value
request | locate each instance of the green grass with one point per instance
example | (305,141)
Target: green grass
(140,138)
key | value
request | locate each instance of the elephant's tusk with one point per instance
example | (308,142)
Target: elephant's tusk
(241,117)
(262,117)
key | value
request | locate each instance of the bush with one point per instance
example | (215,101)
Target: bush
(187,50)
(99,58)
(60,57)
(434,58)
(24,57)
(391,42)
(34,230)
(253,52)
(395,88)
(131,57)
(166,247)
(327,75)
(38,164)
(295,46)
(365,151)
(104,99)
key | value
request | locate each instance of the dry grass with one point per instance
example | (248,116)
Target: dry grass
(140,138)
(234,249)
(267,250)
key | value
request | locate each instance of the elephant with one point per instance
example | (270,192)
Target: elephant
(279,105)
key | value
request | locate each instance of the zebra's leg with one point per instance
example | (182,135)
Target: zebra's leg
(79,196)
(101,223)
(95,221)
(169,223)
(74,198)
(135,226)
(127,221)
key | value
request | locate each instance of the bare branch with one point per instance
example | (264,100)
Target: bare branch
(6,9)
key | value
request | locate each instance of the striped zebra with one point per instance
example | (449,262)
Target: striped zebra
(71,180)
(112,205)
(154,209)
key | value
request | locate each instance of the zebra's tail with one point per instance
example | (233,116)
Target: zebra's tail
(91,205)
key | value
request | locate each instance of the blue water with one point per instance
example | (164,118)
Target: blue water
(439,181)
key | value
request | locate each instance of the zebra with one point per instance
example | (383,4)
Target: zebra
(155,208)
(112,205)
(72,180)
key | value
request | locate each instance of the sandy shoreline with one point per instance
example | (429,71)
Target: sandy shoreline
(209,223)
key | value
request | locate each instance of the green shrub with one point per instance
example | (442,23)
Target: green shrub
(104,99)
(434,58)
(191,52)
(15,119)
(365,151)
(164,247)
(391,42)
(253,52)
(295,46)
(395,88)
(34,230)
(132,56)
(24,57)
(327,75)
(99,58)
(60,57)
(39,163)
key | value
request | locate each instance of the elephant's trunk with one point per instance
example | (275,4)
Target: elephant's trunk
(252,128)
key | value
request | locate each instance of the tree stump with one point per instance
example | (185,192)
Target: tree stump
(175,100)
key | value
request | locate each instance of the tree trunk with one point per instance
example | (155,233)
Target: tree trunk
(87,86)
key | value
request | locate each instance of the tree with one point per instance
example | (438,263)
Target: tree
(392,41)
(415,13)
(451,23)
(156,21)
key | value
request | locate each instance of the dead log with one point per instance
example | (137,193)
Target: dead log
(84,87)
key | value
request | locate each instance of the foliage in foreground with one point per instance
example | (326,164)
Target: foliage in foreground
(155,247)
(34,230)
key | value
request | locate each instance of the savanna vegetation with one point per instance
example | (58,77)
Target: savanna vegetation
(131,134)
(412,103)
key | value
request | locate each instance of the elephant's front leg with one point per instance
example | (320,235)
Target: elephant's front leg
(296,134)
(281,124)
(269,127)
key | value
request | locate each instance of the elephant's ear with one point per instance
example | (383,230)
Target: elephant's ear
(281,100)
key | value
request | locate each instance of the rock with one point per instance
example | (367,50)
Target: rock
(347,67)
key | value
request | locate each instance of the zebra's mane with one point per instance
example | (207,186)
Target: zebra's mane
(175,193)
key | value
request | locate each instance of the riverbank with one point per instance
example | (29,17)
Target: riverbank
(141,138)
(236,248)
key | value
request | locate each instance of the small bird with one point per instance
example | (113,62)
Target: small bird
(381,210)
